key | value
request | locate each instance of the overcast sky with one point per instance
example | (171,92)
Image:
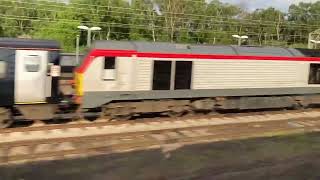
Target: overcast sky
(254,4)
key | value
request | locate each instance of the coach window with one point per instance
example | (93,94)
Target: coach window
(314,74)
(3,68)
(32,63)
(109,72)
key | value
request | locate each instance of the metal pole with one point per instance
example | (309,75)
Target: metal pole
(89,38)
(310,45)
(173,75)
(77,49)
(239,41)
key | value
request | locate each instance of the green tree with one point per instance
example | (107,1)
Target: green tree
(111,15)
(143,15)
(222,21)
(61,31)
(269,24)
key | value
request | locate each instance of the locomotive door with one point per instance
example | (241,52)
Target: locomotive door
(30,76)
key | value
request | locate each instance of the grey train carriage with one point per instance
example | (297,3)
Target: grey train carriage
(29,71)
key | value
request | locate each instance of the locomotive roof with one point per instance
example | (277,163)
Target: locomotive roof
(28,43)
(163,47)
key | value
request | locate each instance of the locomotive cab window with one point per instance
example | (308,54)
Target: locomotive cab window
(3,68)
(32,63)
(109,70)
(314,74)
(109,63)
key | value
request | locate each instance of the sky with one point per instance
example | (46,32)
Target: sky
(251,5)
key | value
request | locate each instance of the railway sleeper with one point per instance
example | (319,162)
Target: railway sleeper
(5,117)
(37,111)
(308,100)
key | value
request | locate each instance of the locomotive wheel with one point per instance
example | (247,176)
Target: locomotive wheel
(174,114)
(5,118)
(122,117)
(112,117)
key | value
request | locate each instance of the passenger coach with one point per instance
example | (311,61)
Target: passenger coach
(27,84)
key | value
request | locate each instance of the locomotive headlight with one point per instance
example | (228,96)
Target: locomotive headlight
(79,84)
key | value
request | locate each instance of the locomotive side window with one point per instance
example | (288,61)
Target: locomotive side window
(3,68)
(32,63)
(109,71)
(162,75)
(314,74)
(183,75)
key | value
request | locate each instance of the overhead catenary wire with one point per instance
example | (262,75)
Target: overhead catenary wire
(209,40)
(133,33)
(231,25)
(133,26)
(203,22)
(115,32)
(86,5)
(119,12)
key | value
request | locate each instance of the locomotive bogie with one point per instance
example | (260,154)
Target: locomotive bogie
(178,107)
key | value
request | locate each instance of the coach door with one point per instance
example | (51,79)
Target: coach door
(30,76)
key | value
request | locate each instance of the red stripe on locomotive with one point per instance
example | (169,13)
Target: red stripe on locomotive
(128,53)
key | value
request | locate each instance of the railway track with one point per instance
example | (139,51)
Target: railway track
(41,126)
(87,139)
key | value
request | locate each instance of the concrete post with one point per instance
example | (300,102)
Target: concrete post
(77,49)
